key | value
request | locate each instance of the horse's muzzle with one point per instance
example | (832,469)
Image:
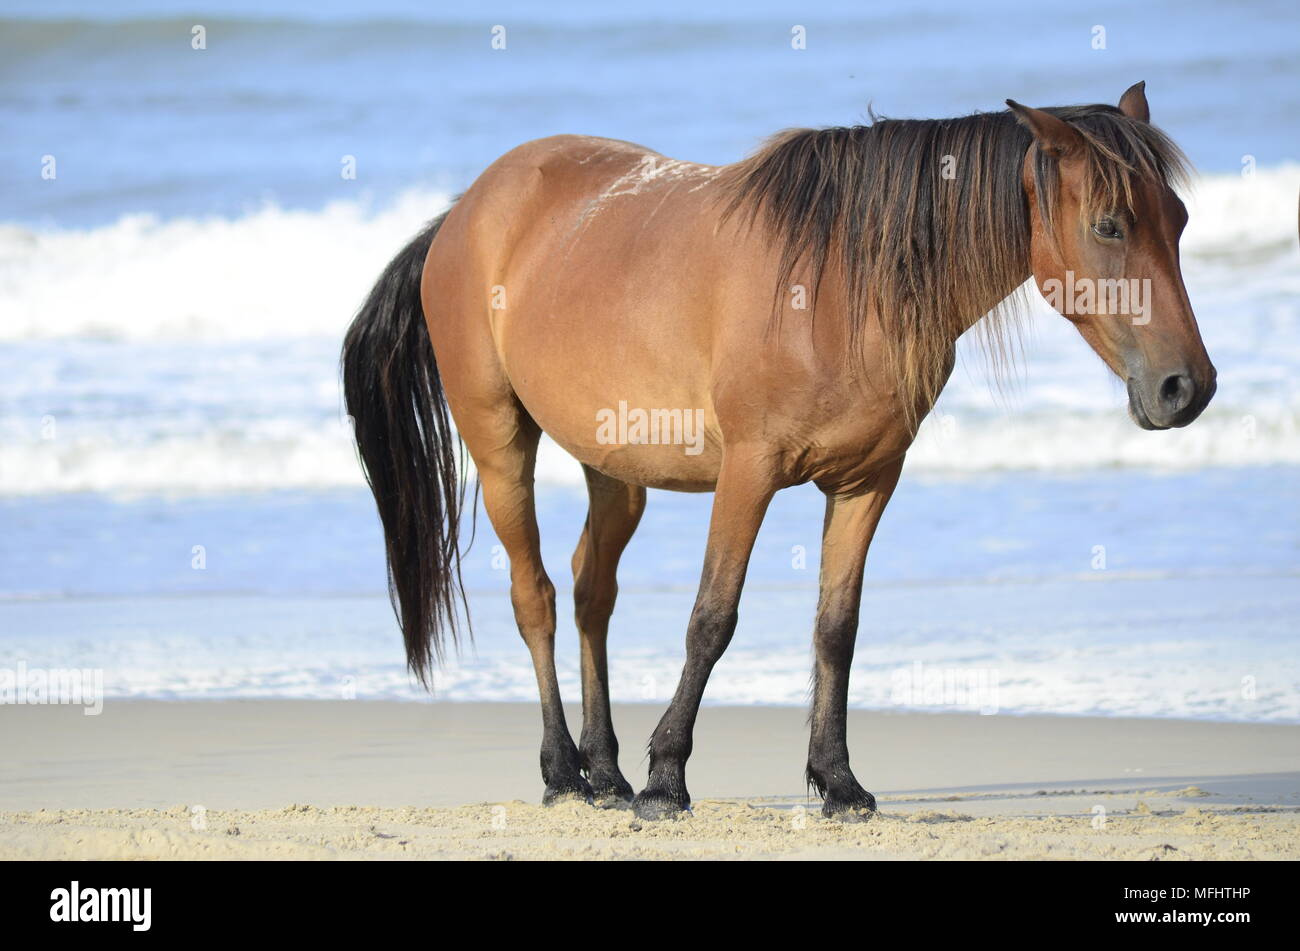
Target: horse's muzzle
(1172,401)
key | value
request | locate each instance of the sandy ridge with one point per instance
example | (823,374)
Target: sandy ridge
(1159,826)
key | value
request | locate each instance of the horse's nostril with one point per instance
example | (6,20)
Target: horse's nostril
(1176,392)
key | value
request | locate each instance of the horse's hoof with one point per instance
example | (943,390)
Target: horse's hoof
(654,806)
(574,790)
(614,800)
(612,792)
(858,809)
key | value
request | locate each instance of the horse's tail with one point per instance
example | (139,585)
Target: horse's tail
(394,395)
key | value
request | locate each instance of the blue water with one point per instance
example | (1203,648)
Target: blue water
(137,119)
(173,296)
(1102,594)
(1020,528)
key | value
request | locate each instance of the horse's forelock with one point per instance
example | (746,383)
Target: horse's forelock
(1122,155)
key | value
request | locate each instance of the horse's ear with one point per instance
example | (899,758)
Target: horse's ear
(1134,102)
(1054,136)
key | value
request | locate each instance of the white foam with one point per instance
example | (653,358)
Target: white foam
(291,273)
(220,373)
(324,458)
(1242,215)
(272,273)
(321,457)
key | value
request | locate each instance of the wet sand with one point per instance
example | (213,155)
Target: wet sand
(339,779)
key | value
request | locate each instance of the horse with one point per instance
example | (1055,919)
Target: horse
(803,304)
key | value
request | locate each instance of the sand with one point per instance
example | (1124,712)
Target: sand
(375,780)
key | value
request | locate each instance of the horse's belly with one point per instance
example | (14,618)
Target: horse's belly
(664,466)
(629,403)
(627,420)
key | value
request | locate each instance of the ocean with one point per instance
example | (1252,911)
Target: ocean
(183,243)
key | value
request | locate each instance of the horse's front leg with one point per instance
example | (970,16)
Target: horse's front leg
(851,521)
(745,487)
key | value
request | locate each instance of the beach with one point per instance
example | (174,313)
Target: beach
(381,780)
(1077,638)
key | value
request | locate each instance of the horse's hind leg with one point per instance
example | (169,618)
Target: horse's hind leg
(615,509)
(507,454)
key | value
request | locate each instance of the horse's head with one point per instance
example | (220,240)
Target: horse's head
(1105,224)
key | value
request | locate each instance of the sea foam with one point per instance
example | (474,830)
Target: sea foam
(201,354)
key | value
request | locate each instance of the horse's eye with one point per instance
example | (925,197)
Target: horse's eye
(1106,228)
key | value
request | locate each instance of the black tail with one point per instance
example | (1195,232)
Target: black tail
(408,449)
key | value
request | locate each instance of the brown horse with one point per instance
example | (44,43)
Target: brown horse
(801,306)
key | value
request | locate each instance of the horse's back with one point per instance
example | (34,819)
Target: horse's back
(577,273)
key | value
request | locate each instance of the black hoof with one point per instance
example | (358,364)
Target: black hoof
(654,806)
(612,792)
(573,790)
(614,798)
(858,808)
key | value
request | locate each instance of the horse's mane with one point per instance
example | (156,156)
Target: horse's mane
(931,254)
